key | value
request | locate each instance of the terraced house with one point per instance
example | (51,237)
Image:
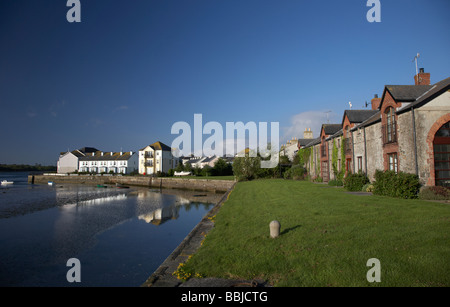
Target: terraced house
(408,130)
(108,162)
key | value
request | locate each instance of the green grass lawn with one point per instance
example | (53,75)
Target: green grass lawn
(327,236)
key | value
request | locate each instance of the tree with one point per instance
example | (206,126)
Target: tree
(246,168)
(222,168)
(188,167)
(180,167)
(206,170)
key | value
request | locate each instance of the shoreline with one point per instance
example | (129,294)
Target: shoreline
(211,185)
(162,277)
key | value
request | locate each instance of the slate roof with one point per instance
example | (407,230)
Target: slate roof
(81,152)
(375,118)
(88,149)
(358,116)
(209,159)
(435,90)
(304,142)
(313,142)
(107,156)
(339,133)
(406,93)
(331,129)
(158,146)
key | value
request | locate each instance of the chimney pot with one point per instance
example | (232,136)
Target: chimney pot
(422,70)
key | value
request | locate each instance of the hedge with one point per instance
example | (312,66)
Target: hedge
(355,182)
(400,185)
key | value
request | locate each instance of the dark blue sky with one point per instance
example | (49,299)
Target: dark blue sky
(123,76)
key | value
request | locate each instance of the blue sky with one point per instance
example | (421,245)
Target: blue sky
(129,70)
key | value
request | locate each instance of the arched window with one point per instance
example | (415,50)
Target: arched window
(441,146)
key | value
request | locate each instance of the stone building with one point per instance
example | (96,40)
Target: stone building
(408,130)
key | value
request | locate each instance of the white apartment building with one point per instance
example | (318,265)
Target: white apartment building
(155,158)
(109,162)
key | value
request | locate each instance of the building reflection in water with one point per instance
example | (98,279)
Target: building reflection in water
(163,213)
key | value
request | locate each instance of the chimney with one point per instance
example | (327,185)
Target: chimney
(375,102)
(422,78)
(307,134)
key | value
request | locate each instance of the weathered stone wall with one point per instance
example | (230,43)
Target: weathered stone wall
(358,150)
(153,182)
(429,119)
(405,139)
(374,149)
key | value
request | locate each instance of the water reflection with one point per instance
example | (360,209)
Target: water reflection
(119,236)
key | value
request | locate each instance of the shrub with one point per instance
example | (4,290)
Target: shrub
(246,168)
(296,172)
(336,182)
(400,185)
(434,193)
(368,187)
(355,182)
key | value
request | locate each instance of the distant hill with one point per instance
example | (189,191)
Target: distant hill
(26,168)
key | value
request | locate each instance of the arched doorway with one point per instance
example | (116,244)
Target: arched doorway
(441,149)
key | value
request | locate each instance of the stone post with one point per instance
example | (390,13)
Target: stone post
(274,229)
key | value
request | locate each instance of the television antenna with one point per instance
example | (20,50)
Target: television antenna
(416,58)
(328,120)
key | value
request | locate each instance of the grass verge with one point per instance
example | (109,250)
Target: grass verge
(327,237)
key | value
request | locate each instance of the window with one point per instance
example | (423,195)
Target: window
(359,164)
(389,129)
(441,145)
(393,162)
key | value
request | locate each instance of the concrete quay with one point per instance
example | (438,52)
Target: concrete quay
(143,181)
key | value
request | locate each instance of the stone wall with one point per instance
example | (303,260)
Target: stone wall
(146,181)
(358,150)
(374,149)
(429,119)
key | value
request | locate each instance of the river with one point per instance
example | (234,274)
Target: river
(120,236)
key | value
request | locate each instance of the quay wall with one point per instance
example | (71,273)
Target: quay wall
(143,181)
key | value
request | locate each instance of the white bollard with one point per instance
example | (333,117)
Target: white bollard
(274,229)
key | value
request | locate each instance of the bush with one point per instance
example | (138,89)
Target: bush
(434,193)
(246,168)
(368,187)
(355,182)
(318,179)
(296,172)
(336,182)
(400,185)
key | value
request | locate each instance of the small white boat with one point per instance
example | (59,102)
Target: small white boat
(4,182)
(50,183)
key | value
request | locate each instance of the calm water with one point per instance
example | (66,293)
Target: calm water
(120,236)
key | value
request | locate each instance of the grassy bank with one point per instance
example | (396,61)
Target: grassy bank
(327,236)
